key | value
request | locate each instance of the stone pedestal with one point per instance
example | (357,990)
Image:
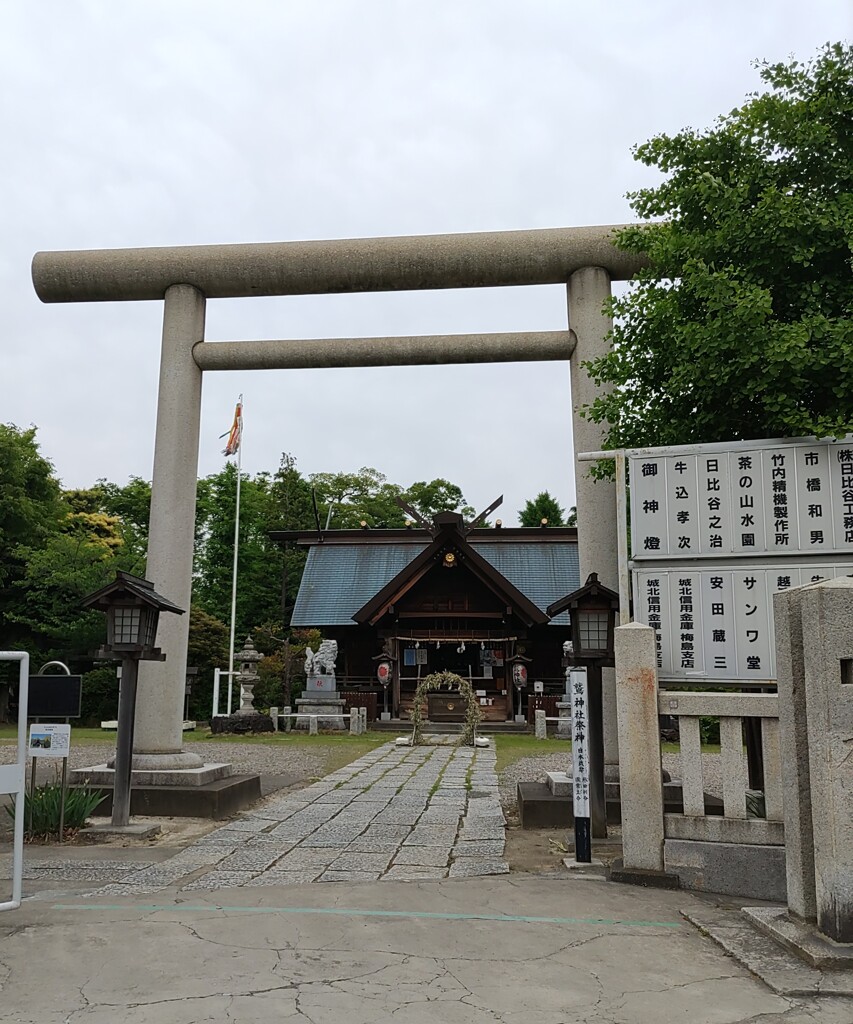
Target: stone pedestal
(564,726)
(324,706)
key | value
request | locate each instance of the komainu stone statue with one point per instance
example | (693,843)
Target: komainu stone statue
(323,662)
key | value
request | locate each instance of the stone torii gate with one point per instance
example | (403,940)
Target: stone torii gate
(185,277)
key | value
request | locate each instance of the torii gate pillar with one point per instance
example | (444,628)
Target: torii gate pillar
(588,291)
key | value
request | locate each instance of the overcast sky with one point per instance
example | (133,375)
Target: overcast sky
(164,122)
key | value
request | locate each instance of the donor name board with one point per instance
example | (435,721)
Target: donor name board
(716,530)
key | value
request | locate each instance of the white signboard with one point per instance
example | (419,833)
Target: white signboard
(716,531)
(767,498)
(49,740)
(717,622)
(580,742)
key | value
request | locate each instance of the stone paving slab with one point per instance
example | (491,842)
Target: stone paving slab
(470,867)
(489,849)
(219,880)
(354,861)
(349,876)
(250,860)
(306,857)
(397,813)
(413,873)
(423,856)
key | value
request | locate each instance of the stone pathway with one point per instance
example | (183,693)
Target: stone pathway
(398,813)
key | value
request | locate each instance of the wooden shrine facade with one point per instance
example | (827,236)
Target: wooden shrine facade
(446,598)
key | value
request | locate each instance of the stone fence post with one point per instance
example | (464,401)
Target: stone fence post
(814,643)
(540,725)
(354,721)
(640,775)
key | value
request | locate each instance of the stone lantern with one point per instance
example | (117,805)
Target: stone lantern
(248,660)
(132,608)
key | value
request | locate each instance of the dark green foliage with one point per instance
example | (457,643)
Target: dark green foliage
(100,695)
(543,506)
(742,325)
(709,730)
(44,806)
(207,649)
(30,512)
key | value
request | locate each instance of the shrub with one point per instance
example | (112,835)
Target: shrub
(45,805)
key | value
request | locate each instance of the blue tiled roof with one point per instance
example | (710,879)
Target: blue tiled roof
(341,578)
(543,573)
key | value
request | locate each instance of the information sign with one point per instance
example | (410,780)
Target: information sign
(580,742)
(49,740)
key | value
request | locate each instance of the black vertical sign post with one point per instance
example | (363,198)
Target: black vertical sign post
(580,764)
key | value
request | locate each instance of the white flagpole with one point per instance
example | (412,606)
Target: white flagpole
(236,551)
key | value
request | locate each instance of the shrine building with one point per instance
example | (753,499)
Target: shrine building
(447,597)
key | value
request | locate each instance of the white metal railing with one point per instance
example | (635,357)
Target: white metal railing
(12,777)
(731,709)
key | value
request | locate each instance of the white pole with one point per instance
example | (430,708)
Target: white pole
(236,551)
(215,710)
(12,778)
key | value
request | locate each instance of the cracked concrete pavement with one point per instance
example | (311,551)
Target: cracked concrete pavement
(516,950)
(415,920)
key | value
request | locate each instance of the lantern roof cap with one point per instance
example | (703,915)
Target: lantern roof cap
(135,586)
(592,589)
(249,652)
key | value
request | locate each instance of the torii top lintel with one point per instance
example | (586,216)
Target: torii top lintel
(477,260)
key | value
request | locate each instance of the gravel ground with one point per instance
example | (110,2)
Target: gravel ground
(266,759)
(533,769)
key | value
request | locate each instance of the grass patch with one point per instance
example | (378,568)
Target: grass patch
(509,749)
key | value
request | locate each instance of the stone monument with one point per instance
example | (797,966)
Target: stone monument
(321,694)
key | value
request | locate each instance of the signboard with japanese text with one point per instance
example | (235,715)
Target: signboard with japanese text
(768,498)
(717,530)
(580,742)
(717,623)
(49,740)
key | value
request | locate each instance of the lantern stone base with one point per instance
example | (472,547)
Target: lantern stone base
(328,707)
(104,775)
(180,794)
(179,760)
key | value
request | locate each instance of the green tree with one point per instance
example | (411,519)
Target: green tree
(543,506)
(207,649)
(31,511)
(741,326)
(130,503)
(345,500)
(260,559)
(439,495)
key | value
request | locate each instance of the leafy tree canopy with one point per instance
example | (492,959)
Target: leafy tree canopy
(345,500)
(742,324)
(30,503)
(543,506)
